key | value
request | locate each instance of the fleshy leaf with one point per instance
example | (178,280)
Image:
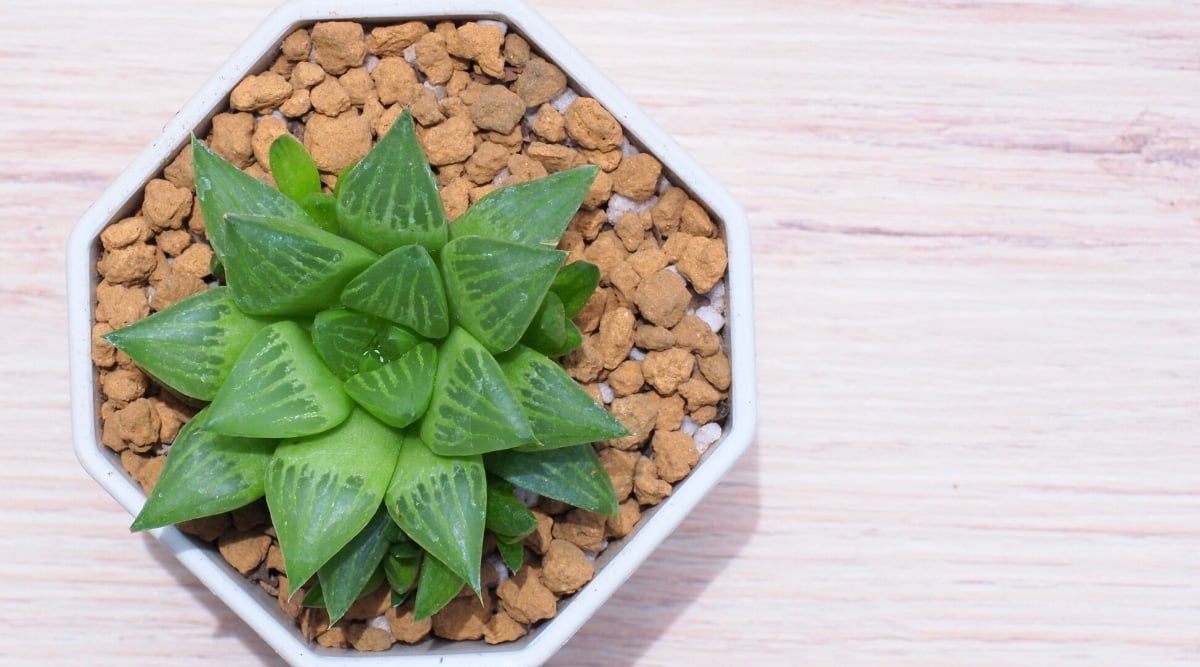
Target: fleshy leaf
(512,552)
(548,331)
(506,516)
(293,168)
(401,572)
(205,474)
(345,576)
(403,286)
(191,345)
(473,410)
(441,503)
(322,207)
(279,267)
(573,475)
(350,342)
(398,392)
(560,412)
(436,587)
(278,388)
(495,287)
(223,189)
(389,199)
(575,284)
(534,213)
(323,490)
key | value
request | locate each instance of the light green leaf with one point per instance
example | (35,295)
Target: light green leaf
(398,392)
(322,207)
(436,587)
(534,213)
(293,168)
(279,267)
(473,409)
(506,516)
(575,284)
(573,475)
(323,490)
(404,286)
(191,345)
(512,552)
(278,388)
(205,474)
(495,287)
(389,199)
(344,578)
(223,189)
(401,572)
(441,503)
(350,342)
(560,412)
(548,331)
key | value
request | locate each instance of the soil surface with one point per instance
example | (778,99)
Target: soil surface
(490,111)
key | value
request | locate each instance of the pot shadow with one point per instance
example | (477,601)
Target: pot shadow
(672,579)
(226,624)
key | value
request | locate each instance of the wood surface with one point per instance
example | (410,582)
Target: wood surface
(976,230)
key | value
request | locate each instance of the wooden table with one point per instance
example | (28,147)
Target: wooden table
(977,238)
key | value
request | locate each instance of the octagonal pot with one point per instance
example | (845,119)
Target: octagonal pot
(617,562)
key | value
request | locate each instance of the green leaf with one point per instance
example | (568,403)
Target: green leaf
(534,213)
(322,207)
(575,284)
(350,342)
(548,331)
(191,345)
(401,572)
(512,552)
(223,189)
(323,490)
(495,287)
(506,516)
(344,578)
(315,597)
(436,587)
(441,502)
(278,388)
(279,267)
(403,286)
(560,412)
(473,409)
(293,168)
(389,199)
(205,474)
(573,475)
(398,392)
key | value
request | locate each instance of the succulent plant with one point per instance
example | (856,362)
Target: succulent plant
(386,379)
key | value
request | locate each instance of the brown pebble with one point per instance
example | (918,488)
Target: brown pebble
(125,232)
(665,370)
(207,528)
(501,628)
(592,126)
(703,263)
(670,413)
(119,305)
(297,105)
(179,171)
(391,40)
(662,298)
(104,353)
(448,142)
(582,528)
(694,334)
(195,260)
(173,241)
(599,192)
(268,129)
(404,628)
(368,638)
(626,519)
(487,161)
(585,362)
(425,109)
(463,619)
(554,157)
(497,109)
(647,487)
(565,568)
(230,137)
(337,143)
(627,378)
(338,45)
(525,598)
(329,98)
(296,45)
(675,454)
(638,413)
(359,86)
(715,369)
(637,177)
(176,286)
(481,43)
(619,464)
(539,539)
(694,220)
(516,50)
(539,83)
(306,75)
(260,92)
(244,551)
(607,160)
(548,124)
(147,476)
(698,392)
(630,230)
(433,60)
(606,252)
(124,384)
(616,336)
(334,637)
(395,81)
(165,204)
(647,261)
(128,265)
(667,210)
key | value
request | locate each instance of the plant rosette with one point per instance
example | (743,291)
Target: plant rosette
(407,392)
(382,377)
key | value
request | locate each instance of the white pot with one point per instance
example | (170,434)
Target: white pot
(618,562)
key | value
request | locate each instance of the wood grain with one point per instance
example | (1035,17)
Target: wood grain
(977,259)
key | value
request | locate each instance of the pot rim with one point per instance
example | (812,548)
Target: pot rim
(619,562)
